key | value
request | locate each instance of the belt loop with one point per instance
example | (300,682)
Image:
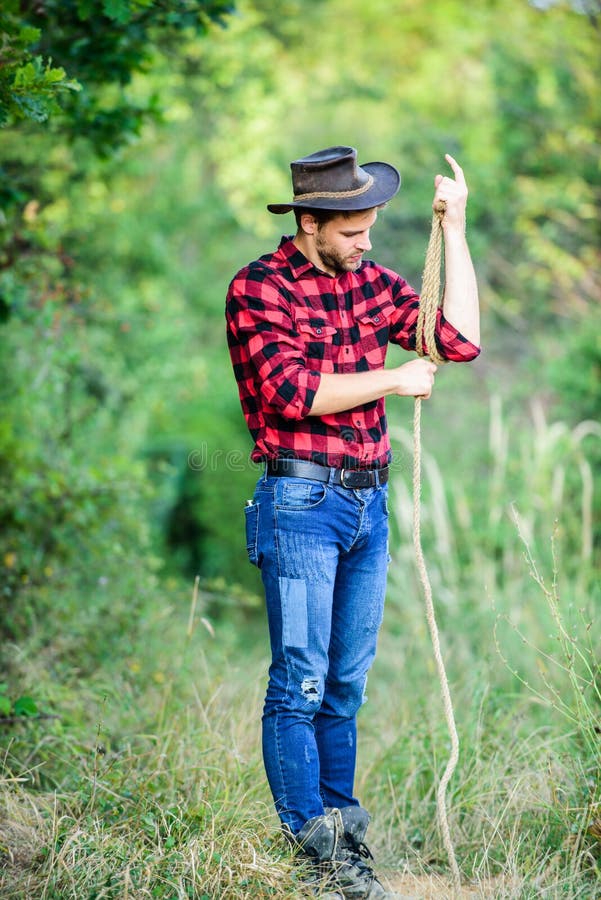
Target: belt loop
(332,476)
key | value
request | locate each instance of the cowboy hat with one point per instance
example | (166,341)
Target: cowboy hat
(331,179)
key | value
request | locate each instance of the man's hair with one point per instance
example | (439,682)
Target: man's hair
(323,216)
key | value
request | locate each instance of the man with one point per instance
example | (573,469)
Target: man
(308,329)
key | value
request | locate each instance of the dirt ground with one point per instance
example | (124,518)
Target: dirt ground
(430,887)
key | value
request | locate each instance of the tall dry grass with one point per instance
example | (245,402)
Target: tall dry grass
(150,785)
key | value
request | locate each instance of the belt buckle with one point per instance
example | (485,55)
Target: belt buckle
(357,479)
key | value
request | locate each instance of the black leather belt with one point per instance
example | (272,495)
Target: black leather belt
(348,478)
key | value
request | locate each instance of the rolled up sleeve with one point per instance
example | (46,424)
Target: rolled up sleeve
(450,343)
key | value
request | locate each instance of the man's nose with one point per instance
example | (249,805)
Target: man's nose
(364,243)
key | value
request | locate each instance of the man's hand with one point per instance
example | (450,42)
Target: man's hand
(453,191)
(338,392)
(415,378)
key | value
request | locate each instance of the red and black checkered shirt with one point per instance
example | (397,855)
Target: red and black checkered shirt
(287,322)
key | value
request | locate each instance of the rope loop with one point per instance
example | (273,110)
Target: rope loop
(430,299)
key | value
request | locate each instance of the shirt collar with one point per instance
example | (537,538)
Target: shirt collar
(296,261)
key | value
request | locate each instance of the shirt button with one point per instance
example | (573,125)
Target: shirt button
(318,331)
(376,319)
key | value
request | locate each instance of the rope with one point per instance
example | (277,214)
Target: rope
(425,343)
(340,195)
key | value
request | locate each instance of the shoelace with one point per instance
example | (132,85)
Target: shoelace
(361,848)
(355,856)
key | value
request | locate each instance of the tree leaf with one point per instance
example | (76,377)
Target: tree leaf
(25,706)
(119,10)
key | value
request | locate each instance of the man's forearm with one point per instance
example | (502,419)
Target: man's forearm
(337,393)
(460,304)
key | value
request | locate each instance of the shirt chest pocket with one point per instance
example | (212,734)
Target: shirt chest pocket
(372,327)
(320,339)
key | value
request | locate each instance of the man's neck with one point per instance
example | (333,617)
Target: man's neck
(306,246)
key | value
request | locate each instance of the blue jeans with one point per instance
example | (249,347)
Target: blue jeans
(323,554)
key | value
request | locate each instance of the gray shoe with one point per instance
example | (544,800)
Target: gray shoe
(334,842)
(317,841)
(354,875)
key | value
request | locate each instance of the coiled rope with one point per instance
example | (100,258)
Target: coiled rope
(426,344)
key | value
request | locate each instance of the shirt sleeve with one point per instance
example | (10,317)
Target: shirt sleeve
(450,343)
(262,337)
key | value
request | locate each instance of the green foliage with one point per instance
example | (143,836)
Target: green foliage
(25,706)
(170,226)
(574,370)
(69,495)
(30,85)
(71,486)
(21,706)
(100,45)
(517,105)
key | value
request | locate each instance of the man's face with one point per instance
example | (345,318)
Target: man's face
(341,242)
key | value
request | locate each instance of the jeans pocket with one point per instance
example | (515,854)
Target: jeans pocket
(301,494)
(251,515)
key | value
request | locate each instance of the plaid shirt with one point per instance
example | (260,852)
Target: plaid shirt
(287,322)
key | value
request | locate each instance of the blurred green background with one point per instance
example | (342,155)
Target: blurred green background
(120,235)
(141,141)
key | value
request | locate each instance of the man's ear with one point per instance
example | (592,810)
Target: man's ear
(308,223)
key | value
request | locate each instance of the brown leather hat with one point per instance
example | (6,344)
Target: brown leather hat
(331,179)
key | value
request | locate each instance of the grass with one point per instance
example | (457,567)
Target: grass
(162,797)
(150,784)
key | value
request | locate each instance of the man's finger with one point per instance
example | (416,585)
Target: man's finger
(457,170)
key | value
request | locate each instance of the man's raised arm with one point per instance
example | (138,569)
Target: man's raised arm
(460,303)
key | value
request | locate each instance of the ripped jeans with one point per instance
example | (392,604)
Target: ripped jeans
(323,554)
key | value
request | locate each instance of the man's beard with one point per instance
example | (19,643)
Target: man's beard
(331,258)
